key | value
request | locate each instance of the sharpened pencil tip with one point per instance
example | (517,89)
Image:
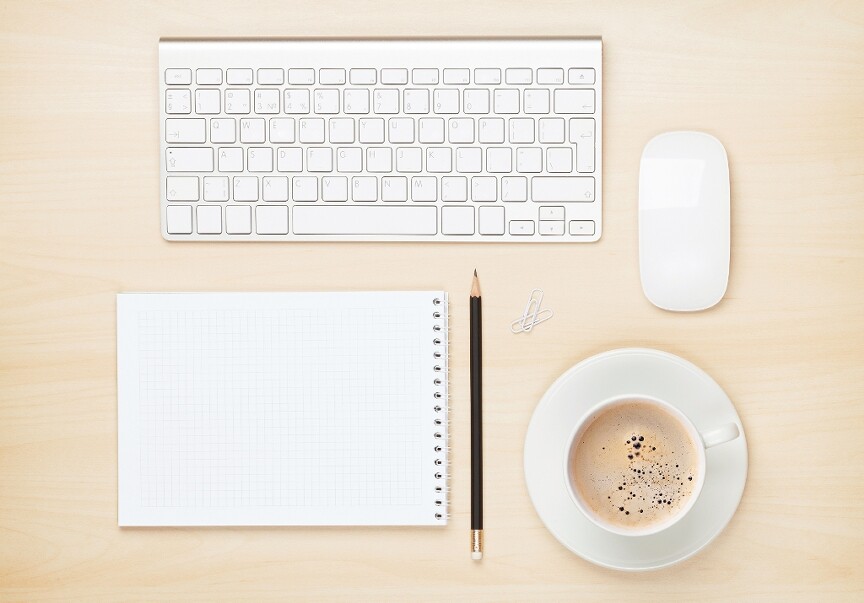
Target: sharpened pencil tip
(475,285)
(475,272)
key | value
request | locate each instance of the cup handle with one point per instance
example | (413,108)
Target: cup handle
(721,435)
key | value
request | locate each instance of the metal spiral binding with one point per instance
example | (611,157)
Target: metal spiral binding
(441,421)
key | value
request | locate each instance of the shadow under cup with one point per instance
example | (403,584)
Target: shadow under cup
(628,459)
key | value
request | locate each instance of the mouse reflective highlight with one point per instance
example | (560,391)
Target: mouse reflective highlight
(684,221)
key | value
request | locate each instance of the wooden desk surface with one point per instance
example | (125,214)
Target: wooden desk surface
(781,84)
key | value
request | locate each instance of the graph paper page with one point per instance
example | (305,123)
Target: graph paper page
(282,408)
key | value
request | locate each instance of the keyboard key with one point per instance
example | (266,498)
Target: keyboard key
(550,130)
(237,100)
(484,189)
(487,76)
(271,77)
(506,101)
(394,188)
(385,101)
(334,188)
(178,101)
(363,77)
(415,100)
(582,227)
(239,77)
(401,130)
(271,220)
(208,101)
(274,188)
(368,220)
(574,101)
(550,76)
(189,159)
(522,227)
(424,188)
(409,159)
(266,101)
(349,159)
(178,219)
(356,100)
(529,160)
(439,160)
(379,159)
(549,227)
(319,159)
(460,129)
(562,188)
(331,77)
(223,130)
(311,130)
(580,76)
(394,76)
(341,130)
(185,130)
(282,129)
(514,189)
(454,188)
(245,188)
(182,188)
(457,220)
(364,188)
(238,219)
(289,159)
(457,76)
(296,101)
(446,100)
(301,77)
(476,100)
(498,160)
(305,188)
(252,130)
(536,101)
(521,130)
(490,220)
(559,160)
(490,130)
(371,130)
(178,77)
(208,219)
(552,212)
(518,76)
(582,135)
(215,188)
(427,77)
(259,159)
(469,160)
(208,77)
(326,101)
(431,130)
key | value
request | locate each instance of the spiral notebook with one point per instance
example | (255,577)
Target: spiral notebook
(282,408)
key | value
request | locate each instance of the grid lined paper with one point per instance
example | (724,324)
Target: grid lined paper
(271,408)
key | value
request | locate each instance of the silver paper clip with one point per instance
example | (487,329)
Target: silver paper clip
(532,315)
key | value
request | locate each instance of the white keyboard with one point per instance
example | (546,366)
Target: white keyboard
(381,140)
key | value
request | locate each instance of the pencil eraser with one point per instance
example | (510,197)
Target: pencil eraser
(476,556)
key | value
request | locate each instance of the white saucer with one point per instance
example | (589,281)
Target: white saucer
(633,371)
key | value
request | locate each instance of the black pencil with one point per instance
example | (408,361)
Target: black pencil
(476,422)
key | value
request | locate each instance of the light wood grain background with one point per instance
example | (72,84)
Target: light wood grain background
(780,83)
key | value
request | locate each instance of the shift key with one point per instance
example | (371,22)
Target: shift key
(559,189)
(189,159)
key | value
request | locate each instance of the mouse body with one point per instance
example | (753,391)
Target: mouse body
(684,221)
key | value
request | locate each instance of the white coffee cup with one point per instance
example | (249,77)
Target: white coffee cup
(702,441)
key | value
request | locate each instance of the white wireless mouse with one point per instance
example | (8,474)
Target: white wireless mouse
(684,221)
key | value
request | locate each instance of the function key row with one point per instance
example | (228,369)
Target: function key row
(388,76)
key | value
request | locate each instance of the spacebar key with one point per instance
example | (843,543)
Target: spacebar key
(365,220)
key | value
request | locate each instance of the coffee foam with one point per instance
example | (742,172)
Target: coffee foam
(635,465)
